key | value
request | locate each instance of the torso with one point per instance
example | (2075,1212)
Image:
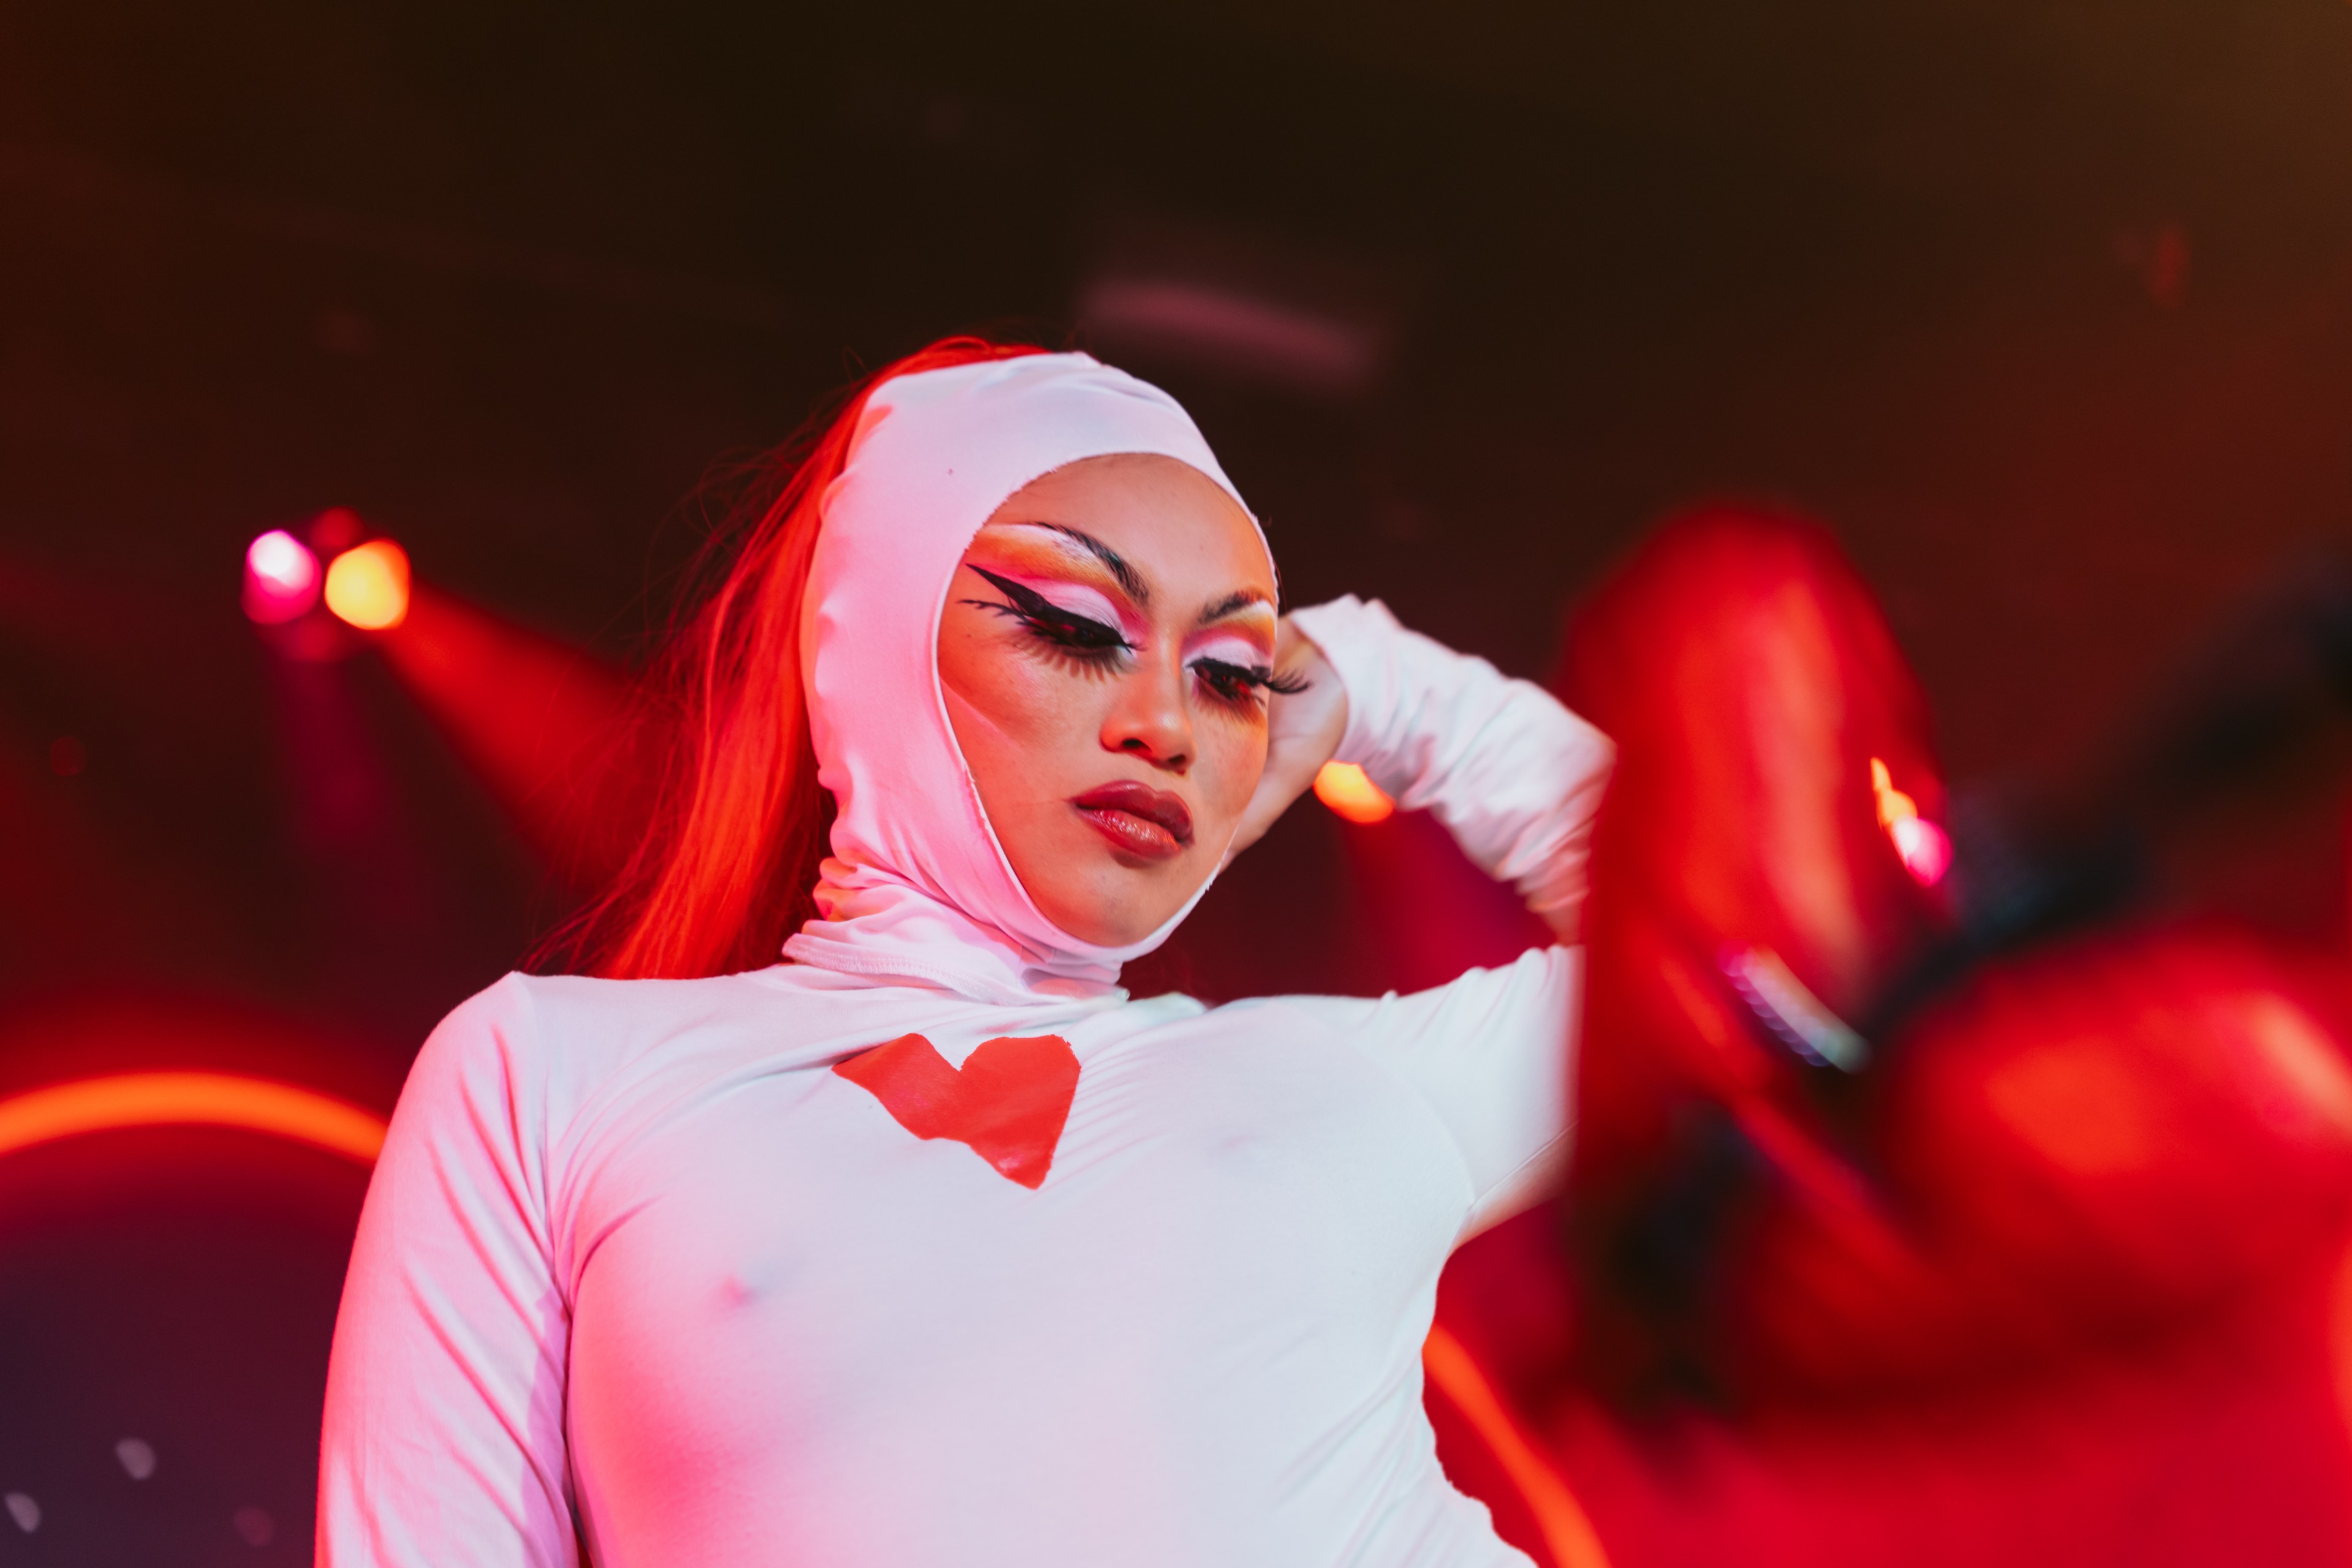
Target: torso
(801,1334)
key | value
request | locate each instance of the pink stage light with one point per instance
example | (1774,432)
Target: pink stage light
(189,1099)
(281,578)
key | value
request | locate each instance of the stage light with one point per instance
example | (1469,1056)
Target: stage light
(367,585)
(1924,848)
(189,1099)
(281,578)
(1343,787)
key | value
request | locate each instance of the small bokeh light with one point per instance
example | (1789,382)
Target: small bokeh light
(1343,787)
(1924,849)
(281,578)
(367,585)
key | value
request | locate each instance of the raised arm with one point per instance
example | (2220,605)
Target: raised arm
(1512,774)
(1516,777)
(444,1442)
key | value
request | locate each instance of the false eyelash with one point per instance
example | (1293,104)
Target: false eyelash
(1255,676)
(1080,633)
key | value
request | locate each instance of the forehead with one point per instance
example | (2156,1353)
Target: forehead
(1168,519)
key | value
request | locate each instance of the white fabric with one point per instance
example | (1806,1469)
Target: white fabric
(634,1257)
(1446,733)
(916,886)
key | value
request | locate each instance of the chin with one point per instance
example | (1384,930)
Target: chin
(1126,904)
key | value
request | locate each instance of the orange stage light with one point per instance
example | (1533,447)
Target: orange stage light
(1343,787)
(367,585)
(189,1099)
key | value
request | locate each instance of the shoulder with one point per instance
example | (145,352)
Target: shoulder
(1538,977)
(550,1040)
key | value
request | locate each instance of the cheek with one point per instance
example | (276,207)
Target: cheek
(1232,761)
(1014,720)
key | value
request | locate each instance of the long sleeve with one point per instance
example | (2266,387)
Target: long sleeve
(1512,774)
(444,1442)
(1516,777)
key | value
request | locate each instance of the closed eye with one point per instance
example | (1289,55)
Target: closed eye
(1065,629)
(1241,683)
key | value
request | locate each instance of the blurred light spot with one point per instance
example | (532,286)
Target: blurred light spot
(1893,805)
(24,1510)
(2079,1106)
(367,585)
(67,756)
(2317,1086)
(255,1525)
(1925,849)
(1343,787)
(186,1099)
(281,578)
(138,1459)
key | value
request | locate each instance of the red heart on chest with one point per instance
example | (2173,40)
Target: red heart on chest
(1007,1104)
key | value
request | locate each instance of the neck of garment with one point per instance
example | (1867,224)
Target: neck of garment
(874,925)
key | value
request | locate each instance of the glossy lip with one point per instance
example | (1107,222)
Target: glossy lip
(1149,823)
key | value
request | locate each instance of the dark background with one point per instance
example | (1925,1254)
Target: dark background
(2042,307)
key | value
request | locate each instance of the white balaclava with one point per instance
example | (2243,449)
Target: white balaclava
(917,885)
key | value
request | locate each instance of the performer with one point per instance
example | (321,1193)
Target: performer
(927,1244)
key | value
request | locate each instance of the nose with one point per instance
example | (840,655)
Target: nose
(1149,717)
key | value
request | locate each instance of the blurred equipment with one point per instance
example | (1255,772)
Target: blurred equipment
(1868,1106)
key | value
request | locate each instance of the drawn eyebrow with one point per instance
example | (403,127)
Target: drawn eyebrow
(1240,600)
(1128,577)
(1132,580)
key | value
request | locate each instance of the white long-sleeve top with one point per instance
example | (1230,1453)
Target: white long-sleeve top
(642,1279)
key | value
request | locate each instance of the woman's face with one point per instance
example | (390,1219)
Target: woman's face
(1104,650)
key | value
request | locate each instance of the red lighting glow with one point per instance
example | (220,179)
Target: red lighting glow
(1925,849)
(189,1099)
(281,578)
(1567,1530)
(1343,787)
(367,585)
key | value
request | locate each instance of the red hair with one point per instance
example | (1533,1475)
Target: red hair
(726,866)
